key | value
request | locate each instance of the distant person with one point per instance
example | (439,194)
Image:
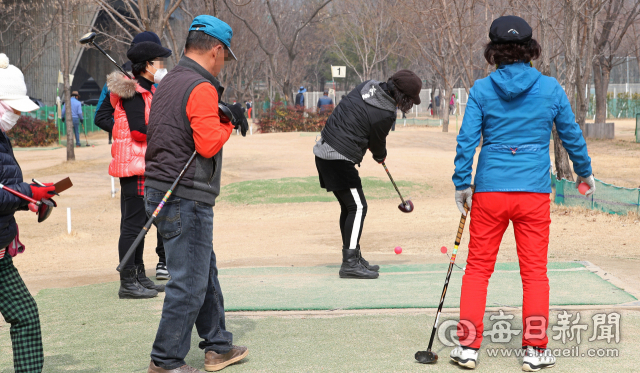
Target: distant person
(249,107)
(299,102)
(132,99)
(514,110)
(76,115)
(360,123)
(452,104)
(324,102)
(430,108)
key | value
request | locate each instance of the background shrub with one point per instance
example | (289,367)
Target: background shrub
(33,132)
(280,118)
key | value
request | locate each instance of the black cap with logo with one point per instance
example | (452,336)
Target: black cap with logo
(510,29)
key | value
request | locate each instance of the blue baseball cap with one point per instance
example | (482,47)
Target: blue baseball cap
(216,28)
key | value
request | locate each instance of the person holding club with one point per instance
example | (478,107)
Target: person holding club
(361,121)
(131,100)
(514,110)
(17,306)
(185,119)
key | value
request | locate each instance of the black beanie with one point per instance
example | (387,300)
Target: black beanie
(147,51)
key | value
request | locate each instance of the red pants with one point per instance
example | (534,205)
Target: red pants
(249,112)
(490,215)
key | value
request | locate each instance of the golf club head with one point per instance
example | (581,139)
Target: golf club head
(426,357)
(88,38)
(406,207)
(45,209)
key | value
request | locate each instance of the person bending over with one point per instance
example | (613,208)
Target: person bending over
(361,121)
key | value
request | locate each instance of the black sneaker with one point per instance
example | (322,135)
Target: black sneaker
(161,272)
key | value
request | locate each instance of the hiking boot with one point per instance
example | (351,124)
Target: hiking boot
(364,262)
(465,357)
(130,288)
(153,368)
(145,281)
(161,272)
(353,268)
(536,359)
(214,362)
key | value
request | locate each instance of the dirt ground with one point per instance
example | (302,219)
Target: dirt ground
(306,234)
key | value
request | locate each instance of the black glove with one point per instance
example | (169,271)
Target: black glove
(239,121)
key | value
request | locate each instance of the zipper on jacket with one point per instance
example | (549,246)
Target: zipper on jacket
(213,172)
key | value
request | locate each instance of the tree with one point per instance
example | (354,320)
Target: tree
(283,25)
(64,32)
(135,16)
(619,15)
(364,34)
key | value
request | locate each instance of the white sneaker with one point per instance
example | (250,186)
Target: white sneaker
(535,359)
(464,357)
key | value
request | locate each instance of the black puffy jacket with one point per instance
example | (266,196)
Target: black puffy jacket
(10,176)
(362,121)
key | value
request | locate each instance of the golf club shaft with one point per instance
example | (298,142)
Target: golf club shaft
(85,132)
(463,220)
(394,183)
(111,59)
(146,227)
(20,195)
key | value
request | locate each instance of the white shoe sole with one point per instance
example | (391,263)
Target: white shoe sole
(534,368)
(471,364)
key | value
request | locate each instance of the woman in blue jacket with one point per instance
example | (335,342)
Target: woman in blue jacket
(514,110)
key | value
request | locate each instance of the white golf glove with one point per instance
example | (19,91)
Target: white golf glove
(463,196)
(590,181)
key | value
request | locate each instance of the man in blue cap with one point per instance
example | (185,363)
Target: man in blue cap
(184,118)
(300,97)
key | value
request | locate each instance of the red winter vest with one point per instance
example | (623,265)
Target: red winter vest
(128,154)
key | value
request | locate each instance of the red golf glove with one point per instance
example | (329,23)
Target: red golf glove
(39,192)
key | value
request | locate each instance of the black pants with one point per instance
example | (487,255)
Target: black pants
(132,219)
(353,207)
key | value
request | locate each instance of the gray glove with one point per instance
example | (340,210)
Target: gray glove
(590,181)
(463,196)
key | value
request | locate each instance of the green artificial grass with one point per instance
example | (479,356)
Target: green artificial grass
(89,330)
(307,189)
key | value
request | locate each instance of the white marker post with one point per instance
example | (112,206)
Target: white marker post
(69,220)
(113,187)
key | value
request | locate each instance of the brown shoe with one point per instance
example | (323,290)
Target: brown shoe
(214,362)
(153,368)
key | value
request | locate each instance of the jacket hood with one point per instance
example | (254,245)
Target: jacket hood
(374,95)
(513,79)
(121,85)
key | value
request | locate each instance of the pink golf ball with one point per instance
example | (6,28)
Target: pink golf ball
(443,249)
(583,188)
(398,250)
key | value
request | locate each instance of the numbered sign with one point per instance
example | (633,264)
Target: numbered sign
(339,71)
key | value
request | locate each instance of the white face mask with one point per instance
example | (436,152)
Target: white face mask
(158,75)
(8,120)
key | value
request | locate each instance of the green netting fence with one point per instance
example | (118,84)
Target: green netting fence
(637,125)
(49,113)
(608,198)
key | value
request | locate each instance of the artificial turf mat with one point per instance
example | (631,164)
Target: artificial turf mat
(307,189)
(88,330)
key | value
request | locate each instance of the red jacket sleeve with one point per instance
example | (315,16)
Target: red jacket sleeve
(209,134)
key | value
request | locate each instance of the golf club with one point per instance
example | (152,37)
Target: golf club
(146,227)
(85,133)
(428,356)
(88,38)
(405,206)
(42,208)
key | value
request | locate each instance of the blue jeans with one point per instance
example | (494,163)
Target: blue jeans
(193,294)
(76,129)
